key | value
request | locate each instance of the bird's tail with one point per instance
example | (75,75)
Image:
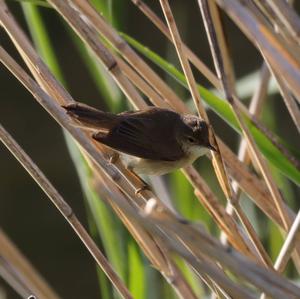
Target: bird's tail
(90,117)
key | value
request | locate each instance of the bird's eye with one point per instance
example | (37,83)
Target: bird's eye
(191,139)
(202,125)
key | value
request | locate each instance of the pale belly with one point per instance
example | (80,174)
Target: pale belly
(154,167)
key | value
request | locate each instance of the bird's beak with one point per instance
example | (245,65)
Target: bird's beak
(211,147)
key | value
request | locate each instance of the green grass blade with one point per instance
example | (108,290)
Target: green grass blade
(108,226)
(185,200)
(105,286)
(35,2)
(41,39)
(190,276)
(223,109)
(136,271)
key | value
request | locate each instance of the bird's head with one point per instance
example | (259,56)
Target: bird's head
(193,134)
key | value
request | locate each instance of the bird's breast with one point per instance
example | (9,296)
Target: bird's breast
(156,167)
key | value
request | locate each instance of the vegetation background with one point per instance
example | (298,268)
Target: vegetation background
(32,223)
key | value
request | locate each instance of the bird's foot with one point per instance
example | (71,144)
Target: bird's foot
(113,158)
(145,187)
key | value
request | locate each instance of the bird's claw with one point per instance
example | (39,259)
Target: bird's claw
(141,189)
(113,158)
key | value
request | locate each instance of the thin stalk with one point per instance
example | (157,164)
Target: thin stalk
(287,248)
(288,99)
(64,209)
(16,280)
(210,16)
(16,261)
(193,243)
(217,158)
(285,93)
(272,46)
(150,14)
(255,108)
(288,245)
(288,17)
(217,211)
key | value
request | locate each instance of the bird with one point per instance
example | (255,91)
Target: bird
(151,141)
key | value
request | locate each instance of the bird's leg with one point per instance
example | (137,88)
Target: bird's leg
(145,186)
(113,157)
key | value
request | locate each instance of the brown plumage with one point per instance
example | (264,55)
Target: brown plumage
(153,135)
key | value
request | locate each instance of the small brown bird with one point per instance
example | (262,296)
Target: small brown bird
(153,141)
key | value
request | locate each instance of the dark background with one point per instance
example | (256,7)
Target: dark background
(26,214)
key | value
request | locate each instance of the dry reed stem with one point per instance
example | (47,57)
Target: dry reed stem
(218,48)
(270,44)
(9,273)
(288,99)
(216,274)
(206,245)
(183,60)
(288,17)
(153,247)
(148,12)
(24,270)
(255,108)
(64,208)
(209,15)
(287,248)
(217,211)
(216,290)
(262,10)
(295,114)
(286,95)
(288,245)
(265,259)
(193,243)
(217,158)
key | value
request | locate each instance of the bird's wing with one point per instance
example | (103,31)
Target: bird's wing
(140,136)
